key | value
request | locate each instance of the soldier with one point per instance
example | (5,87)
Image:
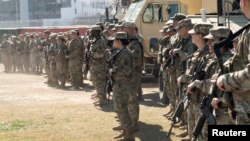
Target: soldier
(33,54)
(174,41)
(44,47)
(14,55)
(238,81)
(163,55)
(6,54)
(51,52)
(23,57)
(61,61)
(75,62)
(86,52)
(121,73)
(137,52)
(27,52)
(198,59)
(212,66)
(98,64)
(81,54)
(39,58)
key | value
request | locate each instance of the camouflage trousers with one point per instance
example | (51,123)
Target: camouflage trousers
(222,117)
(98,77)
(166,85)
(33,62)
(194,113)
(24,62)
(61,68)
(75,70)
(125,103)
(53,72)
(173,89)
(13,62)
(243,118)
(6,62)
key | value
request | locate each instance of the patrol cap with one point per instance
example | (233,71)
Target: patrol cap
(184,23)
(61,37)
(31,35)
(119,36)
(100,24)
(13,37)
(106,25)
(128,25)
(53,36)
(20,35)
(96,28)
(111,26)
(218,32)
(163,29)
(201,28)
(178,17)
(47,32)
(72,32)
(169,22)
(4,35)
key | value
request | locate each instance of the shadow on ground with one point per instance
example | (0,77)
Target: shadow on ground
(150,132)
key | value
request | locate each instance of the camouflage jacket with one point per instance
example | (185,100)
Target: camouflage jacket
(122,65)
(137,53)
(239,80)
(74,49)
(5,48)
(98,55)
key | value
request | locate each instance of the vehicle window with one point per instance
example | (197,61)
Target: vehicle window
(148,14)
(158,13)
(173,9)
(133,11)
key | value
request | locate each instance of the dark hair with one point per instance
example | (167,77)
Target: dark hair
(124,41)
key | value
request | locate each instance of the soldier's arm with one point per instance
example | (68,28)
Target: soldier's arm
(100,52)
(137,55)
(125,67)
(238,81)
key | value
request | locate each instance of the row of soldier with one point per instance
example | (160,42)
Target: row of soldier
(191,64)
(107,50)
(21,53)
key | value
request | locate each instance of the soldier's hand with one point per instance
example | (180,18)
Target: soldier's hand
(169,70)
(220,81)
(193,86)
(111,71)
(181,79)
(215,102)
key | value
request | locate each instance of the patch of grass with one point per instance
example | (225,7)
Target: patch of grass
(12,126)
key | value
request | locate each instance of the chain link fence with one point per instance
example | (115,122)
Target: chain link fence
(233,15)
(50,22)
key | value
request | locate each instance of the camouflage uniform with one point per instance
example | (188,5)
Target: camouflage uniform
(52,74)
(238,81)
(39,57)
(75,64)
(137,52)
(61,63)
(44,47)
(122,87)
(197,58)
(5,54)
(24,56)
(34,51)
(163,55)
(98,65)
(14,55)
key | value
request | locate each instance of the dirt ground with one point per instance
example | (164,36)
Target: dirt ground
(32,111)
